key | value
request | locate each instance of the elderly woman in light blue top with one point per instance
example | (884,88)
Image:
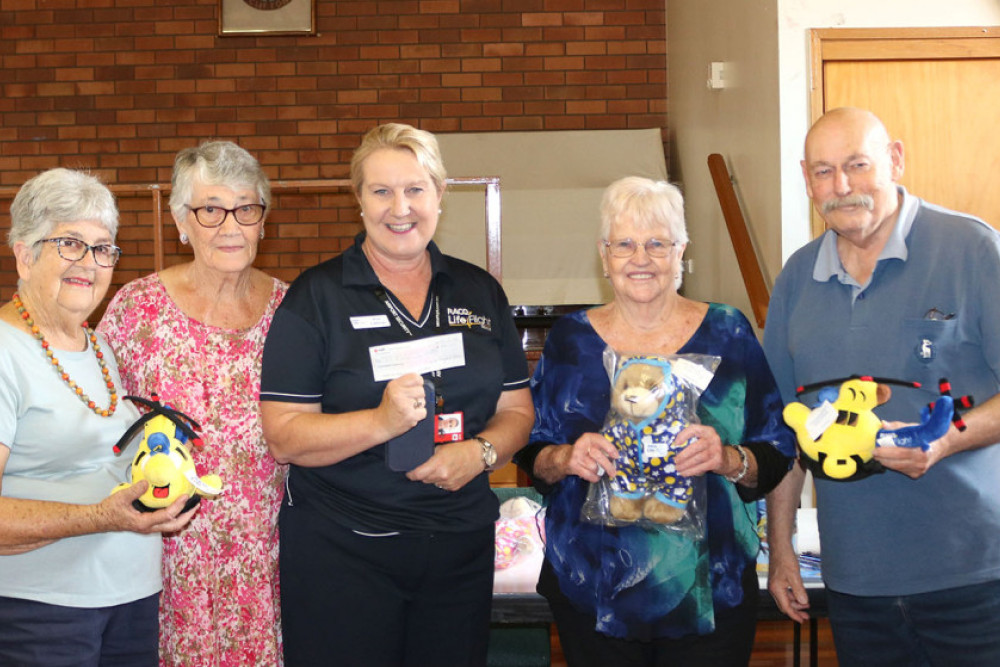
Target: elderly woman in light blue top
(79,569)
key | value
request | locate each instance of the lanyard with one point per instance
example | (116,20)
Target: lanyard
(382,295)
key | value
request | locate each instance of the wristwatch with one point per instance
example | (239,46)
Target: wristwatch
(489,454)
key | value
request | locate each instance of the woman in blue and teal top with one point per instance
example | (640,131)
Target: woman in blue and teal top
(630,595)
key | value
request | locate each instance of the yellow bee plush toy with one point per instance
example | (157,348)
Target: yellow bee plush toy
(838,436)
(845,448)
(163,459)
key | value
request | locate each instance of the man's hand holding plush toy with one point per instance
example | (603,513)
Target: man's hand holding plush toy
(914,462)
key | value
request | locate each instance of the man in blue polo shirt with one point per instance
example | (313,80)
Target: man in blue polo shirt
(896,288)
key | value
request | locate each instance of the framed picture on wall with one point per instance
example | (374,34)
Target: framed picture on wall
(267,17)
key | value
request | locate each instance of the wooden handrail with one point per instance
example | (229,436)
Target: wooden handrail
(494,254)
(746,256)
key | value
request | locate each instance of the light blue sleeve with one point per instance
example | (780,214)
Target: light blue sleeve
(10,395)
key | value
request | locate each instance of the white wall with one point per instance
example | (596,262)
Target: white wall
(739,121)
(758,123)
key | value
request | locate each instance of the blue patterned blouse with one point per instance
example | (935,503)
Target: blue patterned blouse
(643,584)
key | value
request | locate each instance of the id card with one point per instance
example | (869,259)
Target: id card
(449,427)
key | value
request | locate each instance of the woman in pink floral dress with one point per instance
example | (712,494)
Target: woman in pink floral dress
(194,333)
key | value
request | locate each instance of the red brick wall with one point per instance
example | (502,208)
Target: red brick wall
(118,86)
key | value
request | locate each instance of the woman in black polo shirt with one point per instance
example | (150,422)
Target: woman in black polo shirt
(381,566)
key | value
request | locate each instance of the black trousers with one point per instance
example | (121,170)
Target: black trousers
(729,646)
(409,599)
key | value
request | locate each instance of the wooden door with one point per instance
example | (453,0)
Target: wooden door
(937,90)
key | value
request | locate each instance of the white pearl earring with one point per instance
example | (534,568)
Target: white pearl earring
(184,239)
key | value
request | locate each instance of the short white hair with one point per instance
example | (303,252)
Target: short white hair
(56,196)
(647,204)
(215,163)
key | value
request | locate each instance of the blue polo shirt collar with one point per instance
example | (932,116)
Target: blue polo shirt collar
(828,264)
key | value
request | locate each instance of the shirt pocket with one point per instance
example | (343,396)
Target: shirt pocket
(928,346)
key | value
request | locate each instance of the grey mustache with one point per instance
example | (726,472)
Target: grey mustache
(867,201)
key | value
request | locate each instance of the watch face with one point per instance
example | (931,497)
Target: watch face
(489,453)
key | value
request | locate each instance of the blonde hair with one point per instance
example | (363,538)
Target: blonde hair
(398,136)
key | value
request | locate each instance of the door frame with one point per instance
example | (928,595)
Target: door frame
(860,44)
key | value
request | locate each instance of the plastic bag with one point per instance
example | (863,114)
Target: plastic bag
(519,531)
(653,398)
(520,546)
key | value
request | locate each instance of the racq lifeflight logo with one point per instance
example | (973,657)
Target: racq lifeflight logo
(463,317)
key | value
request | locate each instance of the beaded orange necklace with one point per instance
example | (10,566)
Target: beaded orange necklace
(37,333)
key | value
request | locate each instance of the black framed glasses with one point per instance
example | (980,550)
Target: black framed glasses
(73,250)
(213,216)
(627,247)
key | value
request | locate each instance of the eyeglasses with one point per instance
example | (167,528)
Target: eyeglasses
(627,247)
(214,216)
(74,250)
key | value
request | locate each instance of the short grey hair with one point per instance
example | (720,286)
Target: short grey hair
(56,196)
(648,204)
(215,163)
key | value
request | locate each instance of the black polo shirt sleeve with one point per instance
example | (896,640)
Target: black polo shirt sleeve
(295,351)
(515,365)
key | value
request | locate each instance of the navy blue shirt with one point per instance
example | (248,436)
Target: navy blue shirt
(316,353)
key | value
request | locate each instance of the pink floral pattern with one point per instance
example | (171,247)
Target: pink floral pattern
(220,604)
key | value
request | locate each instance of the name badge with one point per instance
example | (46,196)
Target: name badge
(449,427)
(423,355)
(370,321)
(654,448)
